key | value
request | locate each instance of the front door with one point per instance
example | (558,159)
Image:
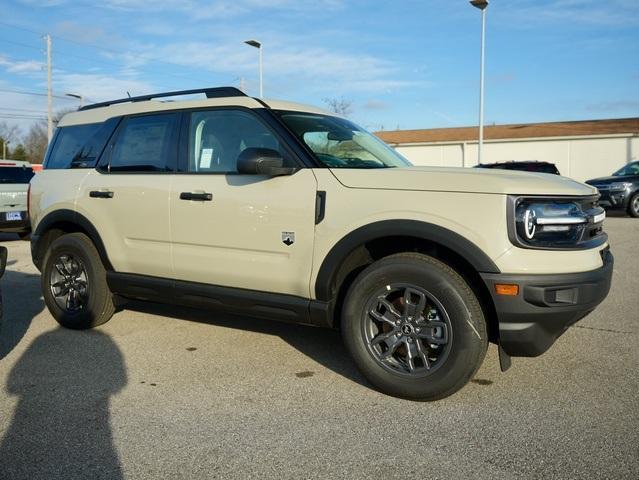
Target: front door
(246,231)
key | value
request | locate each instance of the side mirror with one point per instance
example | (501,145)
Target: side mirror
(262,161)
(3,260)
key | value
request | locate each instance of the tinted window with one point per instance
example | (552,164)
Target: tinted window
(15,174)
(146,144)
(69,142)
(217,137)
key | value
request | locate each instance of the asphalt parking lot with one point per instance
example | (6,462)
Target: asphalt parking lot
(162,392)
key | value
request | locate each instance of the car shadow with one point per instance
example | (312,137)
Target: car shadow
(21,302)
(323,345)
(60,428)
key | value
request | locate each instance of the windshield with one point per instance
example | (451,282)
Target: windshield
(15,174)
(630,169)
(338,143)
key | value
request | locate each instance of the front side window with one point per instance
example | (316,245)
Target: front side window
(146,144)
(217,137)
(338,143)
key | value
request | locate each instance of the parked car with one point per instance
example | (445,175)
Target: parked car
(524,166)
(14,183)
(621,190)
(3,265)
(288,212)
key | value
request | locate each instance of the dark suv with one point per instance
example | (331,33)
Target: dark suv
(523,166)
(621,190)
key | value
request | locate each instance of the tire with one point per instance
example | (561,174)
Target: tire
(72,264)
(426,301)
(633,206)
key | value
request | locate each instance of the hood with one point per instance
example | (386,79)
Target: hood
(478,180)
(612,179)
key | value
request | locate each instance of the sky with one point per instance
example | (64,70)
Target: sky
(401,64)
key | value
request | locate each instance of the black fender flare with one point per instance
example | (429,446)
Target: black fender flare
(394,228)
(72,217)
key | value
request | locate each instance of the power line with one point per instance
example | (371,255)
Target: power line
(22,117)
(22,92)
(108,50)
(22,110)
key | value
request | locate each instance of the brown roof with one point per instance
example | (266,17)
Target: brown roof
(524,130)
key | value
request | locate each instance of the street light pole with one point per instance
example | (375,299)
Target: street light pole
(49,91)
(4,149)
(259,46)
(79,97)
(482,5)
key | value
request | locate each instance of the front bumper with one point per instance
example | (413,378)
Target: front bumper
(530,322)
(613,199)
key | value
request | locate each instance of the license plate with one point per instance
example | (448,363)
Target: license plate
(14,216)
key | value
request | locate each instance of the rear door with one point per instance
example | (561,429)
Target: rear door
(245,231)
(127,196)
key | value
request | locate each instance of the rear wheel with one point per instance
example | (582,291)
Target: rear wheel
(633,205)
(414,327)
(74,283)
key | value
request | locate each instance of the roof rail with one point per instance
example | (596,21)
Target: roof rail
(218,92)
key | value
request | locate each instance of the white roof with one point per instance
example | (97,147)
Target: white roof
(95,115)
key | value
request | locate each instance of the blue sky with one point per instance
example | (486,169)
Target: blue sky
(406,64)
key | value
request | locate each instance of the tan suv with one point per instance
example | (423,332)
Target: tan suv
(288,212)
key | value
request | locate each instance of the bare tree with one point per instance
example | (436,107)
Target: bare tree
(35,142)
(8,135)
(341,105)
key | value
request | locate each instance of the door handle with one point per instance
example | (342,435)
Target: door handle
(202,197)
(100,194)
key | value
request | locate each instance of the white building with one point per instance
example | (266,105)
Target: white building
(580,150)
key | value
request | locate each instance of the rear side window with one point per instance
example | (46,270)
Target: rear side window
(68,143)
(79,146)
(15,175)
(146,144)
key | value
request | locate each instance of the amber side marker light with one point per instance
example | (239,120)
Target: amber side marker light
(506,289)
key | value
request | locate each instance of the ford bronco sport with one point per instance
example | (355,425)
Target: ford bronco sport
(288,212)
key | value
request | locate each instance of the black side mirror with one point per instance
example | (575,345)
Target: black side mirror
(3,260)
(262,161)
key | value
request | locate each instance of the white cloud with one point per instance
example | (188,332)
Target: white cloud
(21,67)
(311,68)
(100,87)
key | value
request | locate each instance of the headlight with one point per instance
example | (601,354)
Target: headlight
(620,185)
(556,223)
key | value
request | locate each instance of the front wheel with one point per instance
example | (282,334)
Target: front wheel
(633,206)
(74,283)
(414,327)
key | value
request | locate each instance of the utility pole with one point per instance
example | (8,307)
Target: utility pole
(481,5)
(49,91)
